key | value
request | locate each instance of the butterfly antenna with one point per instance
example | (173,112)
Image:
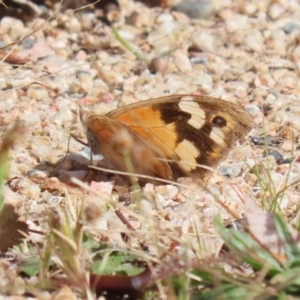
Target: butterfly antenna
(83,111)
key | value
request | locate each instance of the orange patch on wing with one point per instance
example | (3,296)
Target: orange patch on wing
(140,117)
(147,122)
(165,139)
(100,128)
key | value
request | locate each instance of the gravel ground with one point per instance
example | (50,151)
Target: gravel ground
(245,52)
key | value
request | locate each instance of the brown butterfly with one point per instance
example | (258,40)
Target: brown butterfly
(168,137)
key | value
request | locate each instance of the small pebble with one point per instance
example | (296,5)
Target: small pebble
(81,55)
(181,61)
(72,23)
(287,146)
(28,43)
(277,155)
(290,27)
(268,140)
(64,115)
(204,41)
(37,94)
(168,191)
(255,41)
(269,162)
(159,65)
(133,19)
(37,176)
(237,23)
(203,60)
(281,63)
(14,27)
(275,11)
(3,83)
(85,81)
(112,12)
(248,8)
(197,9)
(276,178)
(145,206)
(164,18)
(232,170)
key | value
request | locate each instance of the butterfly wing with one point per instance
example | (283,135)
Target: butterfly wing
(189,130)
(117,143)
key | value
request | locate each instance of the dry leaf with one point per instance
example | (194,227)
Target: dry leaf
(14,58)
(26,6)
(10,228)
(39,50)
(262,226)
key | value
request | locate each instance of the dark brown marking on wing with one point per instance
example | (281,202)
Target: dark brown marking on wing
(219,121)
(173,114)
(211,152)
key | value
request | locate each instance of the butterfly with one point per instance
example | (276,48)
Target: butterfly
(168,137)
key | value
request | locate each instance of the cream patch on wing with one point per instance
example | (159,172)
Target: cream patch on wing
(218,136)
(187,153)
(198,116)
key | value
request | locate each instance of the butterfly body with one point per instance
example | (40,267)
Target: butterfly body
(168,137)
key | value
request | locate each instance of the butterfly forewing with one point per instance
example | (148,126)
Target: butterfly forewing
(189,130)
